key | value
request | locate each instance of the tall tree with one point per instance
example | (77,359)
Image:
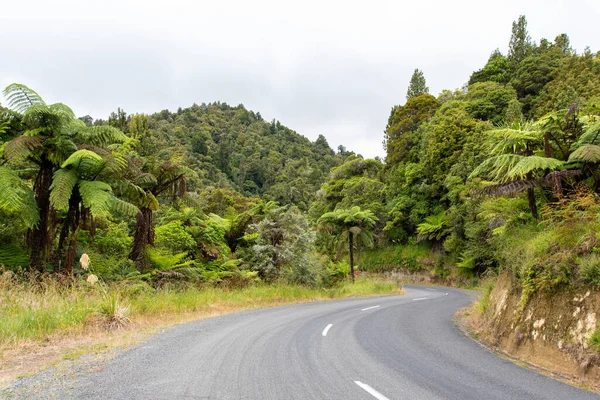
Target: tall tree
(520,45)
(399,139)
(417,85)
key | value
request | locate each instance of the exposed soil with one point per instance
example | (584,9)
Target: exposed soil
(550,335)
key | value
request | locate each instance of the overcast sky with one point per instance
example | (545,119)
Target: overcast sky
(320,67)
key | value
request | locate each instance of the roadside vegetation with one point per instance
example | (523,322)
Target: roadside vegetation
(41,311)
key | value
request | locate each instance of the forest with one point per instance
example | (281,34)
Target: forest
(500,174)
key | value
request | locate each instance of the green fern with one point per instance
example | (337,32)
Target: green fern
(21,148)
(20,97)
(435,227)
(496,167)
(527,165)
(17,197)
(84,161)
(62,188)
(102,135)
(587,153)
(97,196)
(119,206)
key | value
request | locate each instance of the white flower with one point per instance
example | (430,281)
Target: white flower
(85,261)
(92,279)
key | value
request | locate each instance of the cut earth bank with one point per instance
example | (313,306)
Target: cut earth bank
(551,332)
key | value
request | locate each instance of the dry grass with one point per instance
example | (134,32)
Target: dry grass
(42,323)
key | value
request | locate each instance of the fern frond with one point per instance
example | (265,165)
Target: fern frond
(63,182)
(532,164)
(496,167)
(555,178)
(119,206)
(53,117)
(17,197)
(102,135)
(59,149)
(96,196)
(20,148)
(62,111)
(114,164)
(507,140)
(590,136)
(84,161)
(587,153)
(20,97)
(507,189)
(146,180)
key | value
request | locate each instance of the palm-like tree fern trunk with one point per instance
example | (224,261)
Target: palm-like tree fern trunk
(69,234)
(144,236)
(351,251)
(40,238)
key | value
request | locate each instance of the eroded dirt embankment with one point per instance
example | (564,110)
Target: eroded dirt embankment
(552,331)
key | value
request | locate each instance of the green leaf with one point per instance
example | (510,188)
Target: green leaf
(17,197)
(97,196)
(532,164)
(20,97)
(586,153)
(20,148)
(84,161)
(62,188)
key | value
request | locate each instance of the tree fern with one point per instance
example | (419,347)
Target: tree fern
(433,228)
(20,97)
(509,140)
(496,167)
(590,136)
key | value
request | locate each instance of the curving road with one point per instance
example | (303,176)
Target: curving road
(395,347)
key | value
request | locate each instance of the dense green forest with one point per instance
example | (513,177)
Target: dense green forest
(499,174)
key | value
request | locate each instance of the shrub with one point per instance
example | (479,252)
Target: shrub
(173,236)
(114,240)
(285,241)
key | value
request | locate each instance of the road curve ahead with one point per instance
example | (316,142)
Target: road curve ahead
(394,347)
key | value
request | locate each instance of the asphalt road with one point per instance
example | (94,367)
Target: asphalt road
(394,347)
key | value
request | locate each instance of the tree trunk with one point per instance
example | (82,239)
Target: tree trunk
(144,236)
(532,203)
(547,149)
(351,250)
(69,234)
(39,238)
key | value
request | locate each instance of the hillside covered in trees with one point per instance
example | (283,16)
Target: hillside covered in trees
(499,174)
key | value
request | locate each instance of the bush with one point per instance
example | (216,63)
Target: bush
(285,241)
(114,240)
(174,237)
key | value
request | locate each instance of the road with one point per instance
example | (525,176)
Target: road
(392,347)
